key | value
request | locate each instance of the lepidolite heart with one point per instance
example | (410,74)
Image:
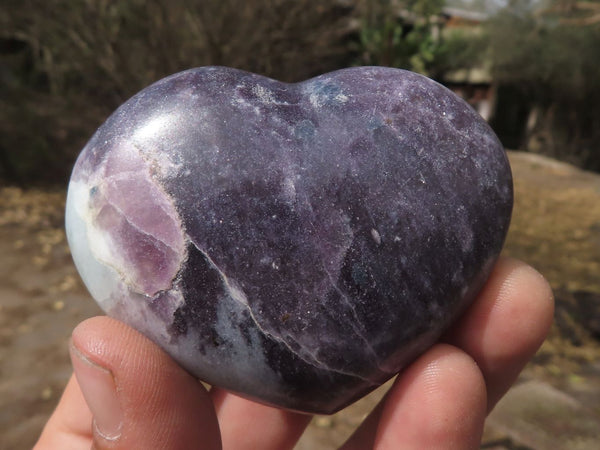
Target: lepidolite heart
(298,244)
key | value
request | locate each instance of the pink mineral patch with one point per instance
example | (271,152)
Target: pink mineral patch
(144,231)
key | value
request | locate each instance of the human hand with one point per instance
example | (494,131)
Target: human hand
(126,393)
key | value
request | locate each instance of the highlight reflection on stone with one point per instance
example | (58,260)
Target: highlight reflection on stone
(298,244)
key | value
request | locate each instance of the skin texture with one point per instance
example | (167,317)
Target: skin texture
(137,396)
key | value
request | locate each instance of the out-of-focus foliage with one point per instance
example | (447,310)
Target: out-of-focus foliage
(549,59)
(400,33)
(66,64)
(543,56)
(460,49)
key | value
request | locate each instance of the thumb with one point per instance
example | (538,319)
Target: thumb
(138,396)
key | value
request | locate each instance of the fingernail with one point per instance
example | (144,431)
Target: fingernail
(100,392)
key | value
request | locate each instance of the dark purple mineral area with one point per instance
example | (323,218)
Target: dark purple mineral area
(298,244)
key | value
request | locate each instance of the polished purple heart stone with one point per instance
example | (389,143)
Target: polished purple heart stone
(298,244)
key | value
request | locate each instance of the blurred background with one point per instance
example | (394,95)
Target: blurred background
(530,67)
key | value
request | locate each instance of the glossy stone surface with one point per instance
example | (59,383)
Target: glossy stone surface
(298,244)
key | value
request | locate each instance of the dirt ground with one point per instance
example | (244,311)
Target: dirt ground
(555,404)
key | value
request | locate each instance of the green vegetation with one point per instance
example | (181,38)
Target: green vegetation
(67,64)
(549,58)
(401,34)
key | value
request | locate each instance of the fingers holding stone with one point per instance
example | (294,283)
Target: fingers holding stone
(439,401)
(139,397)
(506,325)
(249,425)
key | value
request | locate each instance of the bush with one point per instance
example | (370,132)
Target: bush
(68,63)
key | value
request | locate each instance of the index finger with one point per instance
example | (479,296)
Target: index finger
(506,325)
(249,425)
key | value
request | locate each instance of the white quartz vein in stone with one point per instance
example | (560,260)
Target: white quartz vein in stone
(238,295)
(344,297)
(355,319)
(316,362)
(231,286)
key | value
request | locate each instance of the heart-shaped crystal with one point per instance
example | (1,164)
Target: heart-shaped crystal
(298,244)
